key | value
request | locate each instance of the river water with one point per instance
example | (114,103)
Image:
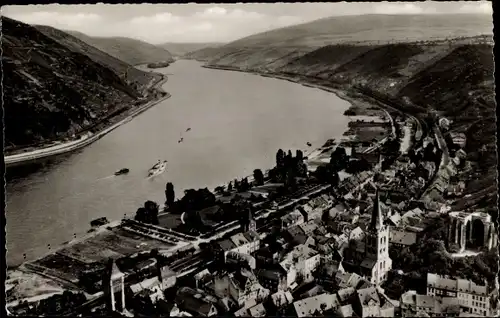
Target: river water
(237,121)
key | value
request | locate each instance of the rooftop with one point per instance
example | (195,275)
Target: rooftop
(308,306)
(299,253)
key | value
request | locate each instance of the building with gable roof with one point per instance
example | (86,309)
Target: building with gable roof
(474,297)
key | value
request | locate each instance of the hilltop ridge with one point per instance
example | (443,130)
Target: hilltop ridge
(132,51)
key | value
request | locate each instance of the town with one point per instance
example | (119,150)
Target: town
(364,226)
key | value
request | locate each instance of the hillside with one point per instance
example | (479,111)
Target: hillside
(452,76)
(370,28)
(181,49)
(129,50)
(53,90)
(296,40)
(137,78)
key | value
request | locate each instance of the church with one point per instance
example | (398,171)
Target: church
(370,257)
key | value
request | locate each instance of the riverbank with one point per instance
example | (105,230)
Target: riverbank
(62,148)
(359,106)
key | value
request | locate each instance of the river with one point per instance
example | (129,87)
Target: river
(238,121)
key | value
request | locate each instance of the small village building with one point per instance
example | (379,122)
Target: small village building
(315,305)
(300,263)
(293,218)
(196,302)
(273,278)
(475,298)
(371,302)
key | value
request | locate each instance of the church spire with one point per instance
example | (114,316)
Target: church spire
(377,220)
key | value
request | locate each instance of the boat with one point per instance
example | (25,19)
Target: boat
(180,140)
(188,129)
(122,171)
(158,168)
(99,222)
(309,144)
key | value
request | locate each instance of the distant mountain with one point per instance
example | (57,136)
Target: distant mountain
(180,49)
(56,88)
(129,50)
(372,28)
(296,40)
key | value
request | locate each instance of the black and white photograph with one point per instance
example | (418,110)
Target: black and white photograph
(320,159)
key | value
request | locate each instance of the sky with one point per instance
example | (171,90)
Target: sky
(160,23)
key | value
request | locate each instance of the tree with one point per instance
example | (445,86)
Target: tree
(339,159)
(299,155)
(230,187)
(258,177)
(219,190)
(170,194)
(280,159)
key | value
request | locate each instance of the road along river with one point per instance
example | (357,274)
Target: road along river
(237,121)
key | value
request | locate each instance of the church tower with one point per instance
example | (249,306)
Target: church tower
(377,261)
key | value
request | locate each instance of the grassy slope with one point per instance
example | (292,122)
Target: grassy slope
(121,68)
(181,49)
(53,90)
(132,51)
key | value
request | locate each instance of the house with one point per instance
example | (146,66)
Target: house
(296,235)
(346,280)
(241,259)
(315,207)
(196,302)
(475,298)
(203,278)
(246,243)
(351,218)
(346,311)
(356,234)
(399,237)
(281,299)
(257,311)
(412,304)
(149,287)
(268,255)
(314,305)
(309,227)
(371,302)
(273,278)
(240,286)
(328,270)
(293,218)
(300,263)
(394,219)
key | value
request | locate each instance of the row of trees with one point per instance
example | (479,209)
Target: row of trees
(329,173)
(288,168)
(148,213)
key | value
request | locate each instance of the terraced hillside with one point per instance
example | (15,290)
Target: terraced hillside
(129,50)
(137,78)
(54,90)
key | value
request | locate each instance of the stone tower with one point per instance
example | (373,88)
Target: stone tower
(377,262)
